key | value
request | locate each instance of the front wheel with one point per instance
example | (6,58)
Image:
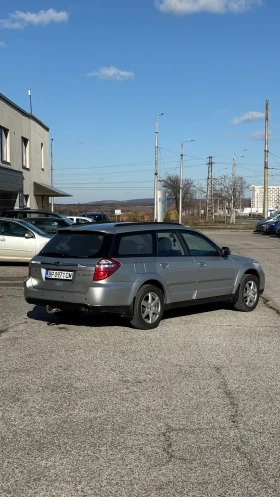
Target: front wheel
(148,308)
(248,294)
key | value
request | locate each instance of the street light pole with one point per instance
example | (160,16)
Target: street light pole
(181,178)
(156,171)
(233,189)
(181,182)
(52,201)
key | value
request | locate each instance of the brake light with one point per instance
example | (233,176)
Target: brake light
(105,268)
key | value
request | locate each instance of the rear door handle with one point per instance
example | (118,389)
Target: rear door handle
(202,264)
(2,239)
(164,265)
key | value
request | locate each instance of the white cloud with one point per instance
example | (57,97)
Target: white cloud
(3,44)
(184,7)
(260,135)
(112,73)
(20,20)
(250,116)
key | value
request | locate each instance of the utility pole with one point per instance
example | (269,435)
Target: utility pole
(181,178)
(30,100)
(266,151)
(233,190)
(156,172)
(52,201)
(209,195)
(181,182)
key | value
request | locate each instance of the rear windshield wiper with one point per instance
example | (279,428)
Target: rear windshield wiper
(54,254)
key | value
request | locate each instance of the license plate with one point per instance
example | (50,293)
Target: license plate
(59,275)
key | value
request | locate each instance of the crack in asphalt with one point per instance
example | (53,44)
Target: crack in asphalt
(241,446)
(271,306)
(11,326)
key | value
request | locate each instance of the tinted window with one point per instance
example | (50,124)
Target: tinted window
(82,221)
(34,228)
(169,244)
(10,214)
(136,244)
(78,245)
(8,228)
(198,245)
(32,214)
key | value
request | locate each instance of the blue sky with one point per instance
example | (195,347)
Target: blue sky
(101,70)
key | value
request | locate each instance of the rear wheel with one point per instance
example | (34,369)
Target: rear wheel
(148,308)
(248,294)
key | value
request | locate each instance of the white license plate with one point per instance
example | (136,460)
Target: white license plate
(59,275)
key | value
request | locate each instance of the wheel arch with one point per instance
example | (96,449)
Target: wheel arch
(244,272)
(254,272)
(157,284)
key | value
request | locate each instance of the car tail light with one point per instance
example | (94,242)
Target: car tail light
(105,268)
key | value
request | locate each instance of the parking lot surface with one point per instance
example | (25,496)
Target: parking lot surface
(94,408)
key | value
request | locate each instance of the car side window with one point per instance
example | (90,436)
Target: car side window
(169,245)
(136,244)
(2,227)
(198,245)
(14,229)
(33,215)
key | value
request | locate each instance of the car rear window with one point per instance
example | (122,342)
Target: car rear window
(136,244)
(78,245)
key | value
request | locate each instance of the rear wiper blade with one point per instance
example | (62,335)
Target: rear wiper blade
(54,254)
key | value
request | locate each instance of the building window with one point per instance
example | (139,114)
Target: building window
(25,152)
(4,145)
(42,157)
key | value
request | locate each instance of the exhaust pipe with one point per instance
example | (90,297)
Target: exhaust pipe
(52,310)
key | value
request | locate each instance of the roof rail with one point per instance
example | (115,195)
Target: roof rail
(145,223)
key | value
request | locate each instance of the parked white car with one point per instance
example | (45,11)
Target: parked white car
(80,219)
(19,240)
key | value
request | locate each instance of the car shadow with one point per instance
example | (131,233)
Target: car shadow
(14,264)
(100,320)
(197,309)
(83,319)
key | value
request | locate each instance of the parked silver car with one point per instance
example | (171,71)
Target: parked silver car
(19,240)
(139,270)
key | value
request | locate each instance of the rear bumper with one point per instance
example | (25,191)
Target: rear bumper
(117,298)
(67,306)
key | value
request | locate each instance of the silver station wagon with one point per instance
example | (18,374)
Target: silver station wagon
(139,270)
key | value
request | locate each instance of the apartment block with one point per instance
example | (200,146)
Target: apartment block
(273,197)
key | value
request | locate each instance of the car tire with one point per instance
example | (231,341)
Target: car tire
(248,294)
(148,308)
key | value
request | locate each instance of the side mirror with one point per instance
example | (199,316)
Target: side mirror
(225,251)
(29,235)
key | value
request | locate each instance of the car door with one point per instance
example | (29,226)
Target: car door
(14,244)
(177,268)
(216,274)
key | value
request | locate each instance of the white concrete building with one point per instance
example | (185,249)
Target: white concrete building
(273,198)
(24,172)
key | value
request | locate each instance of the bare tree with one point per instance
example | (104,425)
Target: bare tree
(172,185)
(226,188)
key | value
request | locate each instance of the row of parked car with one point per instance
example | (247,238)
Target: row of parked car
(270,225)
(24,232)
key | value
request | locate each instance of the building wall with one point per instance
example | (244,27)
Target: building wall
(273,197)
(21,124)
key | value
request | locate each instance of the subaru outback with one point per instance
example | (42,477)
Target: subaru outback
(139,270)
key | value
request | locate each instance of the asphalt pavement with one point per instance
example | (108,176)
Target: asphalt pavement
(94,408)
